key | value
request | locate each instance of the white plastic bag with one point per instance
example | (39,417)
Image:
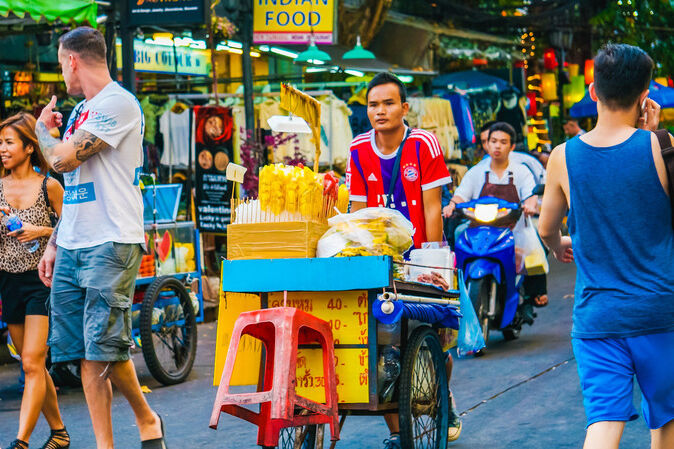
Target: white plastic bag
(529,250)
(370,231)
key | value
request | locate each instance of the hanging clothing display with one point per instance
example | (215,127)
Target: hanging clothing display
(176,131)
(239,125)
(151,113)
(336,133)
(511,113)
(300,143)
(435,115)
(360,122)
(463,118)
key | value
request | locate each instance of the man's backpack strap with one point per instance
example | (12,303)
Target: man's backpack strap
(668,156)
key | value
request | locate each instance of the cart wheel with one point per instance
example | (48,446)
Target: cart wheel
(168,331)
(424,396)
(303,437)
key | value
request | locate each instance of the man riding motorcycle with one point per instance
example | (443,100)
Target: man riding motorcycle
(509,181)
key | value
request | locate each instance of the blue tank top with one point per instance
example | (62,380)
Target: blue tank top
(621,227)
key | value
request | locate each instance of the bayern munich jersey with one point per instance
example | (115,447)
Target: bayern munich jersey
(422,167)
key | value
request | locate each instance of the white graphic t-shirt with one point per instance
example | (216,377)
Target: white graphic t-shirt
(102,201)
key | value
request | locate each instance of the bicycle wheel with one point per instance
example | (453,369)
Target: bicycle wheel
(303,437)
(168,331)
(423,400)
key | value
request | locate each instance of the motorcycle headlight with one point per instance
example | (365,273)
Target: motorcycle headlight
(486,213)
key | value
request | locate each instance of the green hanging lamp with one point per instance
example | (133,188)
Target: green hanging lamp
(358,52)
(312,53)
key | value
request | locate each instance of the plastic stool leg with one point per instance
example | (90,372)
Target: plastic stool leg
(225,379)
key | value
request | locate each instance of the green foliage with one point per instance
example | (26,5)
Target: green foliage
(644,23)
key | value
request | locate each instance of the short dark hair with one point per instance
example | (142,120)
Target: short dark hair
(487,125)
(506,128)
(621,73)
(87,42)
(387,78)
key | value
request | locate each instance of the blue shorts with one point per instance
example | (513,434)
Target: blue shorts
(91,296)
(607,367)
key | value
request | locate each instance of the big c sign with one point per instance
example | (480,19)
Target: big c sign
(161,59)
(293,21)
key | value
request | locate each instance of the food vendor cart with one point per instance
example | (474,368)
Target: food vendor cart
(348,293)
(383,334)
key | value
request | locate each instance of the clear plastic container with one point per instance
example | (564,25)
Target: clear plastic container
(427,261)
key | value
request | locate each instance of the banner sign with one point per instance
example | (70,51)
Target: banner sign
(213,149)
(166,12)
(292,21)
(160,59)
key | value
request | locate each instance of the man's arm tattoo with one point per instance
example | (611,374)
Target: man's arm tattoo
(86,145)
(47,144)
(52,239)
(46,141)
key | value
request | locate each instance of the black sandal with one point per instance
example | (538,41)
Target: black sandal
(58,439)
(156,443)
(18,444)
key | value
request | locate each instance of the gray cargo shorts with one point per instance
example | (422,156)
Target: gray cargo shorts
(90,302)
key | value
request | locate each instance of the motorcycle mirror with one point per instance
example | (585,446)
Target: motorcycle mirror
(539,189)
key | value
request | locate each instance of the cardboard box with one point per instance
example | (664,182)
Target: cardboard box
(273,240)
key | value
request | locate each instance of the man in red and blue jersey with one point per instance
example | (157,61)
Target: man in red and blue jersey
(396,166)
(418,183)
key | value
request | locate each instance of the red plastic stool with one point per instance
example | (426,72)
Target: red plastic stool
(282,330)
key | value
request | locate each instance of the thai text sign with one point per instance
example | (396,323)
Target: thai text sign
(347,314)
(293,21)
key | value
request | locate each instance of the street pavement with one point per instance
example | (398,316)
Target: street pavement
(522,394)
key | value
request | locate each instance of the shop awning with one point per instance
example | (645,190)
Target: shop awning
(421,39)
(471,79)
(28,12)
(363,65)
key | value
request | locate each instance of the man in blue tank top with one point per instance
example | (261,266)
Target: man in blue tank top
(613,183)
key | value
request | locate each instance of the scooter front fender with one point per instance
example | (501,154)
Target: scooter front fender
(479,268)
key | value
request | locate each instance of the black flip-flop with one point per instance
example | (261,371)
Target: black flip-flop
(156,443)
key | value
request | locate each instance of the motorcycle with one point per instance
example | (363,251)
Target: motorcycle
(485,252)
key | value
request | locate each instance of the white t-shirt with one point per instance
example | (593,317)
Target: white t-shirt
(102,201)
(473,181)
(176,131)
(517,157)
